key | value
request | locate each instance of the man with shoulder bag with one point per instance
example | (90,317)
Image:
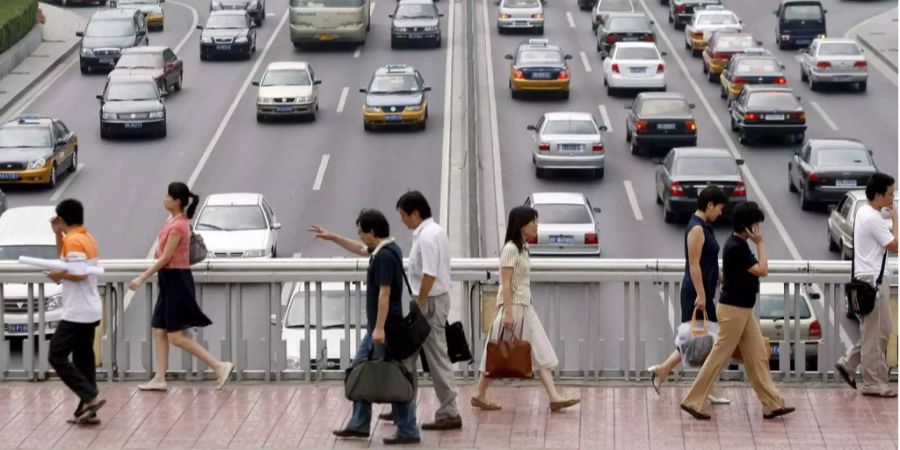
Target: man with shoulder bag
(872,239)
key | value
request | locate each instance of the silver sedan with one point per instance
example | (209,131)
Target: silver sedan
(566,224)
(834,60)
(521,15)
(568,140)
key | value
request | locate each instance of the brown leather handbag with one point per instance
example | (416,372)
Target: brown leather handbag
(508,359)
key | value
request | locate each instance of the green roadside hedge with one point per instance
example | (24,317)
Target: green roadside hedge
(17,18)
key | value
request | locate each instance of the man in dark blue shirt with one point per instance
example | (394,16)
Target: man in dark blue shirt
(384,293)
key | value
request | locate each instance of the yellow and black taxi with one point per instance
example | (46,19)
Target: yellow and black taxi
(538,66)
(151,9)
(395,96)
(722,45)
(707,21)
(753,66)
(765,110)
(33,149)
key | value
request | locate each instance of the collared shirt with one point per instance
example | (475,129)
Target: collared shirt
(430,255)
(871,235)
(81,300)
(519,261)
(385,269)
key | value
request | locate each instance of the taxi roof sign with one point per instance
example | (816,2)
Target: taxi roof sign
(755,50)
(714,8)
(538,41)
(30,117)
(395,67)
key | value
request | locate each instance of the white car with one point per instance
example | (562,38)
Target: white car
(771,319)
(834,60)
(26,231)
(238,225)
(634,65)
(705,22)
(334,316)
(524,15)
(287,89)
(566,224)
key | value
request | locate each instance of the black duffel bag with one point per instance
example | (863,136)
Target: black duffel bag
(379,381)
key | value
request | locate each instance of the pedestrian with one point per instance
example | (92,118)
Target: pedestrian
(429,277)
(81,313)
(738,325)
(176,307)
(701,275)
(384,304)
(871,240)
(516,313)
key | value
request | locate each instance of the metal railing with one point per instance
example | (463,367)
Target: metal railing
(574,298)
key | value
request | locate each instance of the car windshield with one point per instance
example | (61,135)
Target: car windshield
(334,313)
(286,77)
(109,28)
(394,84)
(521,3)
(694,166)
(615,6)
(734,43)
(25,137)
(717,19)
(131,91)
(757,66)
(839,49)
(140,61)
(231,218)
(771,306)
(415,12)
(327,3)
(13,252)
(803,12)
(628,23)
(138,2)
(842,157)
(562,213)
(539,57)
(570,127)
(642,53)
(772,101)
(664,107)
(229,21)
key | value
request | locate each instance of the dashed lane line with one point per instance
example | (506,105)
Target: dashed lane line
(584,60)
(343,99)
(570,19)
(632,199)
(819,109)
(320,175)
(605,116)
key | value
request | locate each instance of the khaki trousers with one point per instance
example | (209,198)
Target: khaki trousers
(738,328)
(871,350)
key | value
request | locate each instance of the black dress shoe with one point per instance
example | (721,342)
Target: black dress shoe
(401,440)
(447,423)
(696,414)
(779,412)
(386,416)
(845,375)
(348,433)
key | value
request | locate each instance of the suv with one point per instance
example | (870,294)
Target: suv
(395,96)
(799,22)
(107,33)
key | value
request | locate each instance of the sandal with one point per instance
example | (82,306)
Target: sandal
(153,386)
(483,405)
(225,374)
(563,404)
(654,379)
(91,410)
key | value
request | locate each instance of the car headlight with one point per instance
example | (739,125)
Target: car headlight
(206,39)
(254,253)
(400,29)
(373,109)
(303,99)
(157,114)
(215,5)
(37,163)
(265,100)
(432,29)
(241,40)
(414,108)
(87,52)
(54,302)
(107,116)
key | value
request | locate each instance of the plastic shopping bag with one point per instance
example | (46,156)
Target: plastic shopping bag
(696,342)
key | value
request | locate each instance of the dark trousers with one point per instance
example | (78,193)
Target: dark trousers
(79,374)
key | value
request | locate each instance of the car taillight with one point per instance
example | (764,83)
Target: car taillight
(597,148)
(518,75)
(681,9)
(641,125)
(537,16)
(691,126)
(815,330)
(591,238)
(823,64)
(610,39)
(740,81)
(649,38)
(532,240)
(739,190)
(563,74)
(615,68)
(861,64)
(813,178)
(751,116)
(698,35)
(797,116)
(543,147)
(780,80)
(661,68)
(721,55)
(676,189)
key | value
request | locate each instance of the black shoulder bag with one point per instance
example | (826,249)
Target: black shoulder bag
(405,336)
(861,296)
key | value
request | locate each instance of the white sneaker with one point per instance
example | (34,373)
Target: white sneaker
(154,386)
(223,375)
(719,400)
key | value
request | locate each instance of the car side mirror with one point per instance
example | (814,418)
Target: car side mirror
(871,152)
(163,94)
(604,55)
(317,82)
(739,161)
(663,53)
(273,320)
(531,128)
(657,161)
(815,296)
(509,57)
(775,12)
(391,16)
(759,43)
(567,57)
(596,210)
(276,226)
(798,98)
(199,27)
(652,23)
(255,83)
(602,127)
(691,105)
(831,208)
(61,141)
(100,97)
(824,11)
(628,106)
(426,89)
(783,67)
(362,90)
(440,14)
(79,33)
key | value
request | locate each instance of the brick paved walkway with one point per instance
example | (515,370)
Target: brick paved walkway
(302,416)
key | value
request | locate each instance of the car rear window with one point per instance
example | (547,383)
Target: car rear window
(803,12)
(839,49)
(758,66)
(771,306)
(539,57)
(140,61)
(717,19)
(664,107)
(616,6)
(629,23)
(521,3)
(734,43)
(570,127)
(705,166)
(562,213)
(772,101)
(643,53)
(842,156)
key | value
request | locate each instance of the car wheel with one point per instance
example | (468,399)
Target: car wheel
(671,19)
(711,76)
(695,53)
(514,94)
(162,133)
(367,127)
(723,93)
(668,215)
(782,45)
(803,77)
(805,204)
(540,31)
(861,86)
(687,45)
(845,252)
(635,148)
(627,134)
(180,81)
(599,173)
(832,246)
(53,176)
(203,56)
(260,118)
(813,85)
(73,162)
(705,70)
(658,199)
(565,95)
(610,91)
(104,134)
(423,124)
(798,138)
(538,172)
(394,44)
(791,186)
(743,139)
(85,69)
(734,126)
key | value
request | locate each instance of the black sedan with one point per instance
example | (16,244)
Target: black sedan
(681,12)
(686,171)
(132,104)
(227,33)
(826,169)
(624,27)
(767,111)
(660,120)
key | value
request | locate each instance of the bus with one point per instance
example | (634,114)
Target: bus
(325,21)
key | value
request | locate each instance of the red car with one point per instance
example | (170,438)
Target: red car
(158,62)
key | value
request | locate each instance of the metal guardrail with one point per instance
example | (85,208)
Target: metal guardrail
(247,295)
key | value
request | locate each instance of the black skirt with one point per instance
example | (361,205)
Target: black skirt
(176,307)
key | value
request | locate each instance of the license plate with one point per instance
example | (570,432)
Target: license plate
(845,183)
(133,125)
(393,117)
(802,41)
(283,109)
(570,147)
(842,78)
(9,176)
(774,116)
(224,47)
(665,126)
(326,37)
(638,70)
(106,61)
(775,349)
(541,75)
(562,240)
(630,38)
(16,327)
(520,24)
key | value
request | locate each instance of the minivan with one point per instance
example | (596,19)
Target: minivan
(799,22)
(107,33)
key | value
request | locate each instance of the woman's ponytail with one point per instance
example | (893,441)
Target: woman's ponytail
(192,208)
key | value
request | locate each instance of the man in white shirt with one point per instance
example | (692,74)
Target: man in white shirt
(429,275)
(871,239)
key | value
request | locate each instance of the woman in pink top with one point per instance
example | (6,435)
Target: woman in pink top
(176,307)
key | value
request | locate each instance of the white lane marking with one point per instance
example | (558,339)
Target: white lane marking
(371,8)
(605,116)
(798,58)
(270,14)
(584,60)
(671,316)
(194,21)
(570,19)
(320,175)
(632,199)
(222,125)
(824,115)
(448,100)
(729,140)
(357,52)
(495,133)
(343,99)
(65,184)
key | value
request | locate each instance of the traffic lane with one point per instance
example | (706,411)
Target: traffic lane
(132,174)
(364,169)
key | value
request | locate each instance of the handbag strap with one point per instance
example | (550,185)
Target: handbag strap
(402,270)
(853,259)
